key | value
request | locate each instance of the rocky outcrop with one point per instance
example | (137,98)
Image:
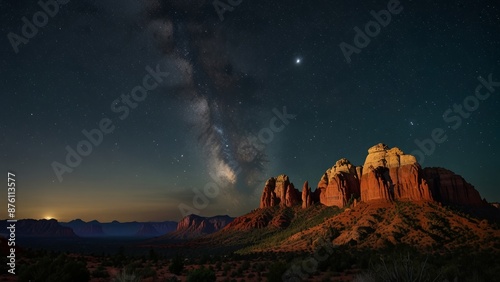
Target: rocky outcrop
(193,226)
(450,188)
(381,156)
(260,218)
(389,174)
(339,184)
(279,191)
(306,196)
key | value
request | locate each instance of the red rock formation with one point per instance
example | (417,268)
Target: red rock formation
(255,220)
(269,198)
(389,174)
(193,226)
(292,196)
(339,183)
(306,196)
(279,191)
(450,188)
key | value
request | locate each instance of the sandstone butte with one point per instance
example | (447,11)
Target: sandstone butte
(387,175)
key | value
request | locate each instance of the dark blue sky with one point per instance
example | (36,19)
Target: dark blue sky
(228,82)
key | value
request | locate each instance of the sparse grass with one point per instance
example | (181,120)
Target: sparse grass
(303,219)
(125,276)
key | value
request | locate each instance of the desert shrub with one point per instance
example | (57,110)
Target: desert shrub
(276,271)
(218,265)
(259,267)
(153,255)
(59,269)
(147,272)
(201,275)
(177,265)
(125,276)
(100,272)
(245,265)
(133,266)
(403,268)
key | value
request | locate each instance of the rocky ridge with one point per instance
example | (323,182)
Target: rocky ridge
(388,174)
(193,226)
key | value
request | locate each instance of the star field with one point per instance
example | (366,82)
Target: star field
(226,79)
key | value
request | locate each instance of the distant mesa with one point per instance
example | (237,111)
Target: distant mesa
(115,228)
(42,228)
(85,229)
(194,226)
(388,174)
(79,228)
(147,230)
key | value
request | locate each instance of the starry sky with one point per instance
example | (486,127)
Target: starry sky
(235,94)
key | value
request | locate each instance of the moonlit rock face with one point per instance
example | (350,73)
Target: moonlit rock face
(381,156)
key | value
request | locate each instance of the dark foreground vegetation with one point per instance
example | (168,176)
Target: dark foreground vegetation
(401,263)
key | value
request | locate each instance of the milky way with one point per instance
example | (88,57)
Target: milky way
(196,48)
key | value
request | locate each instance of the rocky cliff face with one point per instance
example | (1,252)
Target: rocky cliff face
(450,188)
(339,183)
(389,174)
(307,199)
(193,226)
(279,191)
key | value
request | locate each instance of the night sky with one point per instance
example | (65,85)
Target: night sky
(233,99)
